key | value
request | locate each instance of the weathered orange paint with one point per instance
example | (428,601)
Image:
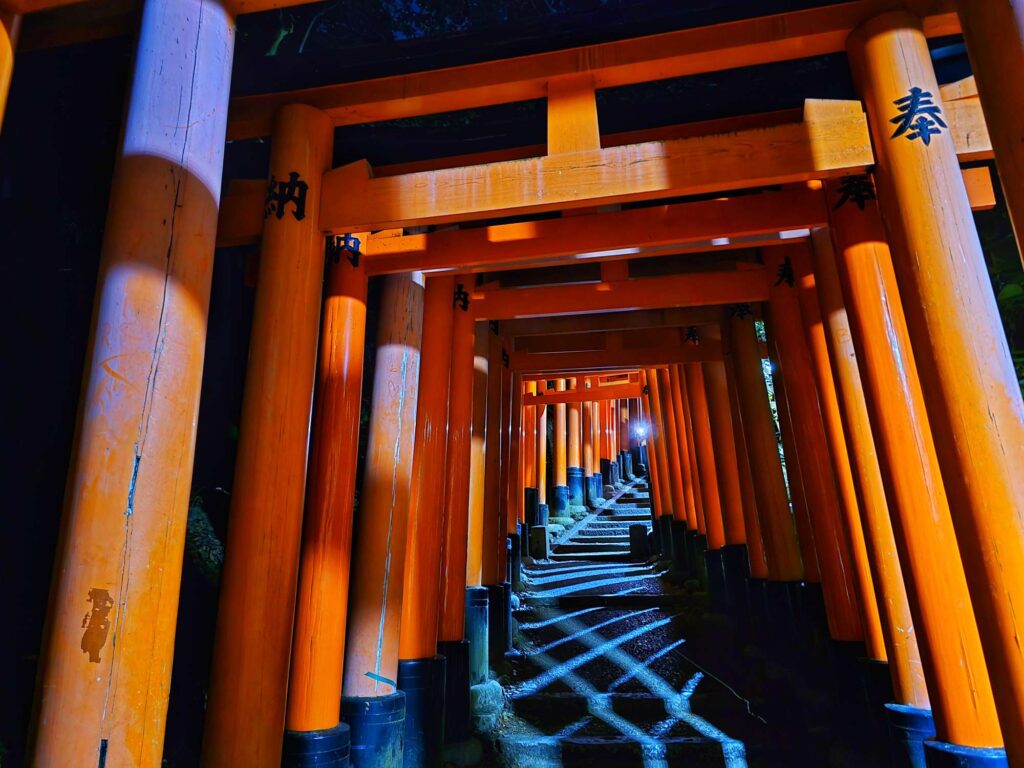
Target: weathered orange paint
(574,427)
(529,449)
(587,452)
(686,508)
(258,585)
(890,593)
(378,551)
(451,624)
(704,451)
(850,497)
(515,512)
(936,585)
(421,593)
(648,376)
(477,460)
(542,454)
(756,556)
(560,437)
(778,529)
(595,425)
(994,33)
(318,650)
(970,388)
(119,554)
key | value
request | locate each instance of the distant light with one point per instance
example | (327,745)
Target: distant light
(720,241)
(793,234)
(641,431)
(613,252)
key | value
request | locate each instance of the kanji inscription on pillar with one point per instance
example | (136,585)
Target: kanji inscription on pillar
(919,117)
(281,194)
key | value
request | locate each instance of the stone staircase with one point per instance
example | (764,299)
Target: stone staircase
(600,675)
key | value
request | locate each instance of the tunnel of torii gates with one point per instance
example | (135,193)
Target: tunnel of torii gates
(900,414)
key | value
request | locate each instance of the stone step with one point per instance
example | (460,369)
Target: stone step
(588,547)
(588,751)
(617,556)
(586,537)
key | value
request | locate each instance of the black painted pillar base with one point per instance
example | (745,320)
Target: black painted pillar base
(543,513)
(560,502)
(423,683)
(681,563)
(376,729)
(327,748)
(696,544)
(627,463)
(664,529)
(606,472)
(530,505)
(477,622)
(639,548)
(596,489)
(509,624)
(714,563)
(496,629)
(909,727)
(458,724)
(736,568)
(574,480)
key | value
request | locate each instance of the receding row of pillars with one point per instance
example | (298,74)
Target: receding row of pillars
(900,413)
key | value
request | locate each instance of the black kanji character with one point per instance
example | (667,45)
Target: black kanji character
(857,189)
(919,117)
(281,193)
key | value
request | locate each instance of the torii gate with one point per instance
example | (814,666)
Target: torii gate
(124,522)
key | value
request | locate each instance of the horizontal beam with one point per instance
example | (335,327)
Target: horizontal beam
(696,289)
(600,340)
(622,358)
(832,140)
(745,43)
(611,321)
(596,394)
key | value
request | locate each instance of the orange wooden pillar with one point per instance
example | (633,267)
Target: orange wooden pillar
(994,32)
(794,479)
(970,387)
(452,641)
(10,27)
(542,454)
(835,562)
(677,461)
(850,497)
(890,593)
(511,405)
(778,529)
(587,448)
(318,650)
(648,381)
(371,699)
(722,440)
(118,561)
(940,605)
(493,525)
(421,671)
(704,453)
(478,460)
(595,469)
(756,556)
(560,502)
(659,435)
(574,458)
(529,456)
(694,494)
(258,585)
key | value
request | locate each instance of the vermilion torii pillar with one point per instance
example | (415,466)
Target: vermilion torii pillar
(778,529)
(994,32)
(970,387)
(478,460)
(704,453)
(684,428)
(560,503)
(574,458)
(261,563)
(118,563)
(10,26)
(596,478)
(830,542)
(421,672)
(940,605)
(890,596)
(529,460)
(676,458)
(378,552)
(318,649)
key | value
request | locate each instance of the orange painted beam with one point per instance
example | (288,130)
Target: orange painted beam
(832,140)
(687,290)
(673,54)
(611,321)
(600,340)
(617,391)
(580,361)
